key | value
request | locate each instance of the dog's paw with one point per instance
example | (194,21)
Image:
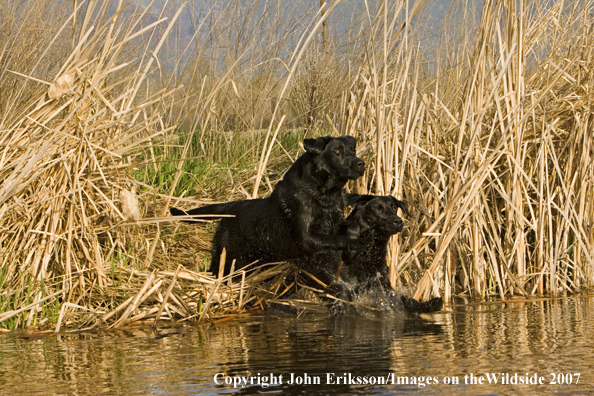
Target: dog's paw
(415,307)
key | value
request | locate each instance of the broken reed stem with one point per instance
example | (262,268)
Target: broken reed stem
(206,305)
(314,278)
(120,307)
(241,289)
(167,294)
(134,303)
(63,312)
(222,260)
(208,293)
(264,159)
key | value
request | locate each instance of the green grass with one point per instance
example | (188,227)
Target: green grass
(215,162)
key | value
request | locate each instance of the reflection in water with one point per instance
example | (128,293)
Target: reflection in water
(525,340)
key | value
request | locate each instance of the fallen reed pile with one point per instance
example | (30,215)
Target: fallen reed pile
(185,295)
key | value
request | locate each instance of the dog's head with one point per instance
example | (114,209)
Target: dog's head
(336,155)
(374,212)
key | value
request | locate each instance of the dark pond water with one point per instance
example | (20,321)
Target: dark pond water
(454,352)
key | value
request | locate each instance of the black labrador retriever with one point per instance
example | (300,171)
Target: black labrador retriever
(376,218)
(302,218)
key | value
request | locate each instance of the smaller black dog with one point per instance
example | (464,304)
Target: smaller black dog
(376,219)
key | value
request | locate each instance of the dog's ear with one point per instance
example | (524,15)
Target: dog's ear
(352,199)
(316,146)
(351,142)
(402,205)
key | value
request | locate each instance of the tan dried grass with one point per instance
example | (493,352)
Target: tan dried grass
(64,164)
(496,163)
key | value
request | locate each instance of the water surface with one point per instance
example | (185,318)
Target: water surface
(547,341)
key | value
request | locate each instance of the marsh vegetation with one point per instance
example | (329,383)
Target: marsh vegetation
(482,123)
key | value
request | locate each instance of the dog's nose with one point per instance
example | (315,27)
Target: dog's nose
(360,164)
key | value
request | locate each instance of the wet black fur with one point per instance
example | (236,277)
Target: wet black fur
(375,218)
(299,221)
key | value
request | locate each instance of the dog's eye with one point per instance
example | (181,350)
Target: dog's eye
(336,152)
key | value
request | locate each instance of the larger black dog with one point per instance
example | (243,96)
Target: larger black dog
(376,217)
(302,217)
